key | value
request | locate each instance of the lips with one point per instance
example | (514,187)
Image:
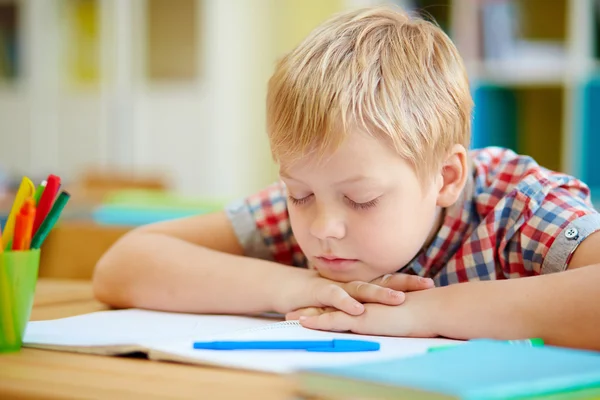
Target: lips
(334,263)
(331,258)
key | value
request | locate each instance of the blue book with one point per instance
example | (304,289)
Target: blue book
(495,117)
(136,216)
(590,129)
(478,370)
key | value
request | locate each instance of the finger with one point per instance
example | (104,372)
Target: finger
(334,321)
(335,296)
(404,282)
(371,293)
(308,312)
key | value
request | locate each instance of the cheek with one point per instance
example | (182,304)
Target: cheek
(383,233)
(299,224)
(391,238)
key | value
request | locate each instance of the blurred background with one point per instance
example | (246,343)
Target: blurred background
(155,109)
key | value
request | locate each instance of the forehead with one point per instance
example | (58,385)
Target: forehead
(359,154)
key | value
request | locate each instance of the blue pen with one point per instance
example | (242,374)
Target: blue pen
(331,346)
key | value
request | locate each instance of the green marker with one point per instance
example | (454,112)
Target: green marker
(38,192)
(444,347)
(50,220)
(534,342)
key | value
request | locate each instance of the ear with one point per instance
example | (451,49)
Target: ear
(453,176)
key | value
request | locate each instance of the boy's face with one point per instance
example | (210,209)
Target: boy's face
(360,213)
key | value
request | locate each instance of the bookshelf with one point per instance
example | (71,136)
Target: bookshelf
(179,85)
(532,75)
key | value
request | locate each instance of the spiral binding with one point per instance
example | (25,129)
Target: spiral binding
(277,325)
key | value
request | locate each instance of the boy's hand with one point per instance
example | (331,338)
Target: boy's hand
(348,297)
(404,282)
(409,320)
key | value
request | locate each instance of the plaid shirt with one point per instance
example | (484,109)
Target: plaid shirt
(514,219)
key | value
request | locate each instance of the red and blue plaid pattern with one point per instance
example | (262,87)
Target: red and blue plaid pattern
(269,210)
(510,214)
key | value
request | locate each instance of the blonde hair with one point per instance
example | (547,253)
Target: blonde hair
(377,69)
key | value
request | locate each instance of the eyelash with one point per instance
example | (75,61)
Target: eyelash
(353,204)
(363,206)
(299,202)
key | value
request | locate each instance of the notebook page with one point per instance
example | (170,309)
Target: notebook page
(132,326)
(282,361)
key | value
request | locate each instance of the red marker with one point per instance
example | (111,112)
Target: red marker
(46,201)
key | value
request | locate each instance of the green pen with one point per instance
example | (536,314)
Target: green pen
(534,342)
(50,220)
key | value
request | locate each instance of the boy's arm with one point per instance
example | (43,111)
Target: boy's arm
(562,308)
(177,266)
(196,265)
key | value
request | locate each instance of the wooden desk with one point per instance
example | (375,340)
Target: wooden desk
(33,373)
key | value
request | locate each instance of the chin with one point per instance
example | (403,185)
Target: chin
(339,276)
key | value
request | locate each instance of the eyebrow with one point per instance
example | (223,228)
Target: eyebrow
(350,180)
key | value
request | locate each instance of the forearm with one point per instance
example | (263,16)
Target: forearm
(562,308)
(156,271)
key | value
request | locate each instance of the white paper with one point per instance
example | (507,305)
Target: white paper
(281,361)
(126,327)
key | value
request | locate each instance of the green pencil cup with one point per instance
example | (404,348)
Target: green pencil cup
(18,278)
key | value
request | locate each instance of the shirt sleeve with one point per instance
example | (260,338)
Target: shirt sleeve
(262,225)
(557,216)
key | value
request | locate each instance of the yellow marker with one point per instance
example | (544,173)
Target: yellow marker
(26,189)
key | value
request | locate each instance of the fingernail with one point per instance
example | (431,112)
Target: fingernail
(428,281)
(395,293)
(303,318)
(359,308)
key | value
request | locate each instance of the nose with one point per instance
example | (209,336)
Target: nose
(327,225)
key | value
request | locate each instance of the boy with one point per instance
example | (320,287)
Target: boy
(369,120)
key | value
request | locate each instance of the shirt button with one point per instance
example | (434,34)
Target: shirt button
(572,233)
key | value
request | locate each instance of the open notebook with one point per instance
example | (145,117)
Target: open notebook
(170,336)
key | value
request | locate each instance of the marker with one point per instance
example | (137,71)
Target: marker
(534,342)
(24,226)
(26,190)
(330,346)
(46,200)
(38,192)
(50,220)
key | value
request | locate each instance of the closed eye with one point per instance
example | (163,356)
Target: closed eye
(299,202)
(363,206)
